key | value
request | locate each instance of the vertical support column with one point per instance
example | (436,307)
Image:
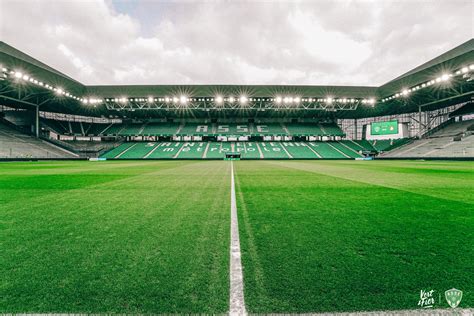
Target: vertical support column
(355,130)
(419,122)
(37,122)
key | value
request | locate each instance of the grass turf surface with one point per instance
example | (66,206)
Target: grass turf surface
(151,237)
(351,236)
(114,237)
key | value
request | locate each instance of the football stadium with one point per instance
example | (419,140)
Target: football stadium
(237,199)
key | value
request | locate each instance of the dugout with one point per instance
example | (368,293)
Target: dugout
(232,156)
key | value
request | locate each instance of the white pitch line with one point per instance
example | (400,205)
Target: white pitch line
(237,302)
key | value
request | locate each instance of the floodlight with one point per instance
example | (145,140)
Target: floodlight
(405,92)
(59,90)
(297,100)
(328,100)
(25,77)
(471,67)
(231,99)
(175,100)
(183,99)
(445,77)
(286,99)
(371,101)
(438,79)
(167,99)
(150,99)
(243,99)
(4,69)
(18,75)
(278,100)
(218,99)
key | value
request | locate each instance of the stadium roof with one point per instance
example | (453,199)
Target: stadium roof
(437,83)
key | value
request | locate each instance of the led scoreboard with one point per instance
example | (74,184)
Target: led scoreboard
(384,128)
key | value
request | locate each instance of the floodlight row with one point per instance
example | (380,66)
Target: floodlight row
(441,79)
(242,99)
(28,79)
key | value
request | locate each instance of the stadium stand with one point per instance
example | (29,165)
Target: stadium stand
(345,150)
(14,144)
(273,150)
(300,150)
(331,130)
(153,123)
(217,150)
(455,140)
(193,129)
(192,150)
(383,145)
(358,146)
(166,150)
(304,129)
(131,130)
(160,129)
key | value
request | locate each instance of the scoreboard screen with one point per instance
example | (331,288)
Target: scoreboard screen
(384,128)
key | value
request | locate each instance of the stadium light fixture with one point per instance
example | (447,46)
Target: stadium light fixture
(219,99)
(150,99)
(243,99)
(183,99)
(18,74)
(231,99)
(278,100)
(297,99)
(471,66)
(328,100)
(445,77)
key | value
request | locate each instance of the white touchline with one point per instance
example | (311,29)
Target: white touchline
(237,303)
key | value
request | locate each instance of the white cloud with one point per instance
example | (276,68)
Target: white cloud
(239,42)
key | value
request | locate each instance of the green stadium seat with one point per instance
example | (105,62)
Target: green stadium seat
(299,150)
(165,150)
(325,150)
(117,150)
(247,150)
(272,150)
(345,150)
(160,129)
(331,130)
(192,150)
(304,129)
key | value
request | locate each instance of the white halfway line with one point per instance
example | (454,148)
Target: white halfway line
(237,303)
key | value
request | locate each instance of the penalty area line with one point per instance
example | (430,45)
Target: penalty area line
(236,303)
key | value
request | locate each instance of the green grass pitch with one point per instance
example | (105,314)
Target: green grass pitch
(153,237)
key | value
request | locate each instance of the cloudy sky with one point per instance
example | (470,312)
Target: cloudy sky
(235,42)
